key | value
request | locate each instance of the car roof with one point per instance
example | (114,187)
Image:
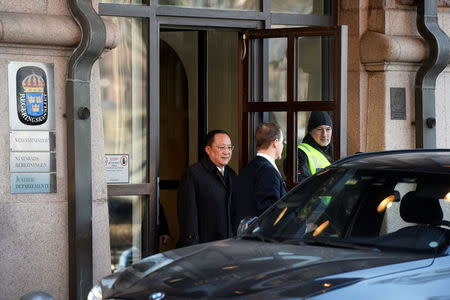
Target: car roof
(411,160)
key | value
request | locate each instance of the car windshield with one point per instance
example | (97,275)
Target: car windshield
(362,208)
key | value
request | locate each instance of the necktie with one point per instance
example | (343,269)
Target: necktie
(222,171)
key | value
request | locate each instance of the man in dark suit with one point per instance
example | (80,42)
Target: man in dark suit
(259,184)
(205,192)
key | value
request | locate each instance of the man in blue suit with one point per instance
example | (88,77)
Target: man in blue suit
(259,184)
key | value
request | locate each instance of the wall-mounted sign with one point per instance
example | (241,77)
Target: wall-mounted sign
(29,162)
(32,141)
(32,163)
(31,96)
(33,183)
(116,168)
(398,103)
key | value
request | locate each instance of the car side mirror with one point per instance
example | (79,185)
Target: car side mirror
(243,225)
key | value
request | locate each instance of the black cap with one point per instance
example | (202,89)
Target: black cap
(318,118)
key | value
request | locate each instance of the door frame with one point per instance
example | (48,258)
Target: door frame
(184,17)
(253,85)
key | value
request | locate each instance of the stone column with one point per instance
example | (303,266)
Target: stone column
(385,52)
(354,14)
(33,227)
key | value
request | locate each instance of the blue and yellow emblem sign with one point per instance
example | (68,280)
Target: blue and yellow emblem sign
(32,97)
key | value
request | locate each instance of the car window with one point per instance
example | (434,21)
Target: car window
(382,208)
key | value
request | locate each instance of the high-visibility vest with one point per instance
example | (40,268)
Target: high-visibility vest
(316,160)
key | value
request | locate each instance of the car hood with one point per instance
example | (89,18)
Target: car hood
(237,267)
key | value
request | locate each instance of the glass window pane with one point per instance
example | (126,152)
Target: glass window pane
(223,87)
(220,4)
(315,68)
(127,215)
(123,80)
(308,7)
(279,118)
(125,1)
(278,69)
(320,140)
(276,62)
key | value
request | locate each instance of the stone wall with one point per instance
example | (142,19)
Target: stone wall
(34,227)
(385,52)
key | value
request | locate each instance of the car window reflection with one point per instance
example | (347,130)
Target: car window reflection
(383,209)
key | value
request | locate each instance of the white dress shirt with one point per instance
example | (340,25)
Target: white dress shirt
(222,171)
(269,158)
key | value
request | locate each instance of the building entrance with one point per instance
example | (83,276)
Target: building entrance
(198,93)
(160,98)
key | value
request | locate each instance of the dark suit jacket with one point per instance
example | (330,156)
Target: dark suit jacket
(163,227)
(203,204)
(258,186)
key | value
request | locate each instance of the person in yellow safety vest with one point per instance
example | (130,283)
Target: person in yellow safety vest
(314,153)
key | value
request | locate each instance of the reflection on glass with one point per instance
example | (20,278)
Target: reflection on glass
(223,86)
(315,68)
(125,1)
(279,118)
(339,208)
(220,4)
(123,77)
(126,219)
(307,7)
(303,136)
(277,69)
(276,62)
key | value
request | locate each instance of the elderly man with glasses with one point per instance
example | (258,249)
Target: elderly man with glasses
(205,193)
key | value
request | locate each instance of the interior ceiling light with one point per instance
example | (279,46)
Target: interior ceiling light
(280,216)
(321,228)
(384,204)
(229,268)
(447,197)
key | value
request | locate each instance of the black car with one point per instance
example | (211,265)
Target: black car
(370,226)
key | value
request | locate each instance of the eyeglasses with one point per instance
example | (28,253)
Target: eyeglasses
(223,148)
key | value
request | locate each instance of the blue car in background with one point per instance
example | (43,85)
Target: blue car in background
(370,226)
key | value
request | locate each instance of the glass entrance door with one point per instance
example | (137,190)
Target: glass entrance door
(198,92)
(203,84)
(288,74)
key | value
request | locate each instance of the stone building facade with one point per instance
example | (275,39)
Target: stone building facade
(385,51)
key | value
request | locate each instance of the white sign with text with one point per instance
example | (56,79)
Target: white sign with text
(117,168)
